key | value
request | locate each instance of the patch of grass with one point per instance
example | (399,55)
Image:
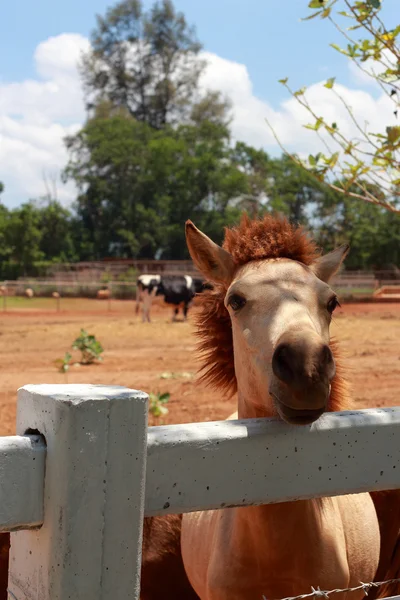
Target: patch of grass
(157,404)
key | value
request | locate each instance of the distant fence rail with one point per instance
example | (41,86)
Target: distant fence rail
(94,271)
(75,492)
(115,268)
(348,287)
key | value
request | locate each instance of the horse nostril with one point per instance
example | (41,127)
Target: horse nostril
(327,361)
(326,355)
(281,363)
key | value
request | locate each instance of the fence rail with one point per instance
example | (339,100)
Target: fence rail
(58,291)
(100,470)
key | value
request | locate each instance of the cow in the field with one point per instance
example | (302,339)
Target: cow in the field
(176,290)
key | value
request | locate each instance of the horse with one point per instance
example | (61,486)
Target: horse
(264,333)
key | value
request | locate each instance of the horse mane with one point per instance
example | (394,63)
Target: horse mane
(252,240)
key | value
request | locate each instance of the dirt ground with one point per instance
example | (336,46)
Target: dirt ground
(160,356)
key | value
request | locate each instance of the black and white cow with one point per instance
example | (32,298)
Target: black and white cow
(176,289)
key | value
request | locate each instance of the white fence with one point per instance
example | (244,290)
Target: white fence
(84,469)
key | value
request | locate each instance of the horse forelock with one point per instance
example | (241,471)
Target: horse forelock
(253,240)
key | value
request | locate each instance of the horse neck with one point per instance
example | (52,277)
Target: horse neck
(251,409)
(300,516)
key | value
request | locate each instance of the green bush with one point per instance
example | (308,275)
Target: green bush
(89,347)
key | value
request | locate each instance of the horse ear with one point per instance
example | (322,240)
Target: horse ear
(215,263)
(326,266)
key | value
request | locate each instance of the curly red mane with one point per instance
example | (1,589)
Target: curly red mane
(259,239)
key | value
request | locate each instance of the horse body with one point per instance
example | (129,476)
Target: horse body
(281,550)
(272,308)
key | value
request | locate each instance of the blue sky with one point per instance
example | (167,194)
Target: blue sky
(264,37)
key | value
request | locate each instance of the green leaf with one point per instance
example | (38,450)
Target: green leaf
(374,3)
(312,16)
(316,125)
(389,76)
(393,133)
(334,159)
(300,92)
(312,161)
(348,149)
(329,83)
(283,81)
(317,3)
(326,13)
(379,162)
(339,49)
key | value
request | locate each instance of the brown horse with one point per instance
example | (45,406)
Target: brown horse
(265,332)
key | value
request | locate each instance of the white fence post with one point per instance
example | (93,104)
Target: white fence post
(89,547)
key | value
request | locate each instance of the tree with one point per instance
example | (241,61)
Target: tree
(372,231)
(347,164)
(257,167)
(138,185)
(24,235)
(108,158)
(56,241)
(294,192)
(147,63)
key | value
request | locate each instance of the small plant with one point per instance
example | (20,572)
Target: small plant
(63,364)
(157,401)
(89,347)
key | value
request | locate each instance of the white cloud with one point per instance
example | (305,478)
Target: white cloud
(250,112)
(365,73)
(36,114)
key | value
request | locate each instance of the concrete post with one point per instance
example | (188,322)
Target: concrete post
(89,547)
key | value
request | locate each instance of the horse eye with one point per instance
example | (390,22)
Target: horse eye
(236,302)
(332,304)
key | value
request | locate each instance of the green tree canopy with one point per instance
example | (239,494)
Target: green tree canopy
(148,63)
(138,185)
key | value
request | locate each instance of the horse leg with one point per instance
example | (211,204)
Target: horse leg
(163,574)
(4,552)
(175,314)
(387,506)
